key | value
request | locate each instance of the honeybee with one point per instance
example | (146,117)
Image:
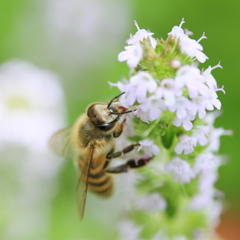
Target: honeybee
(91,140)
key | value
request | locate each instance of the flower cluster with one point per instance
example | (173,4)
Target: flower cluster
(32,106)
(172,99)
(183,89)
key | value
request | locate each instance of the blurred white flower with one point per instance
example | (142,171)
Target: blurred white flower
(211,117)
(213,211)
(180,169)
(160,235)
(128,230)
(207,179)
(28,96)
(82,29)
(179,237)
(200,201)
(32,107)
(186,144)
(151,203)
(204,163)
(201,133)
(148,147)
(214,138)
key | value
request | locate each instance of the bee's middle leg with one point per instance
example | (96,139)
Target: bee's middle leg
(129,164)
(127,149)
(112,154)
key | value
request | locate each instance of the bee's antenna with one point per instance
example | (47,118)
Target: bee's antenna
(120,113)
(109,104)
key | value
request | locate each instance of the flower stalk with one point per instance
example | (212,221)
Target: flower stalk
(173,122)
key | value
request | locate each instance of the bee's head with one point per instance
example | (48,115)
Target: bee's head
(101,116)
(104,116)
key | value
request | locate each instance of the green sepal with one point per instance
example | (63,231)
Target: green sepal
(160,47)
(167,138)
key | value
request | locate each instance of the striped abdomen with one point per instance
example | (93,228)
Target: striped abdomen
(99,181)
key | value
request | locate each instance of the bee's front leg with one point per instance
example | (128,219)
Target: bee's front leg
(129,164)
(117,133)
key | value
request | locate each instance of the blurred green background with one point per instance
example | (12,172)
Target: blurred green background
(80,41)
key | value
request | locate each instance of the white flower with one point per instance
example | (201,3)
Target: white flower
(138,87)
(214,138)
(128,230)
(198,107)
(160,235)
(32,107)
(200,201)
(122,85)
(132,54)
(177,31)
(186,122)
(151,203)
(148,147)
(180,169)
(144,84)
(181,107)
(150,109)
(200,132)
(213,212)
(210,118)
(168,91)
(28,96)
(204,163)
(189,46)
(180,237)
(209,79)
(207,180)
(140,35)
(192,48)
(192,78)
(211,100)
(186,144)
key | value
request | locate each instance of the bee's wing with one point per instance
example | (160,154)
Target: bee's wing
(60,143)
(83,184)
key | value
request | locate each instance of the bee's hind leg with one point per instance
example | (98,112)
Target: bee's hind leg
(128,165)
